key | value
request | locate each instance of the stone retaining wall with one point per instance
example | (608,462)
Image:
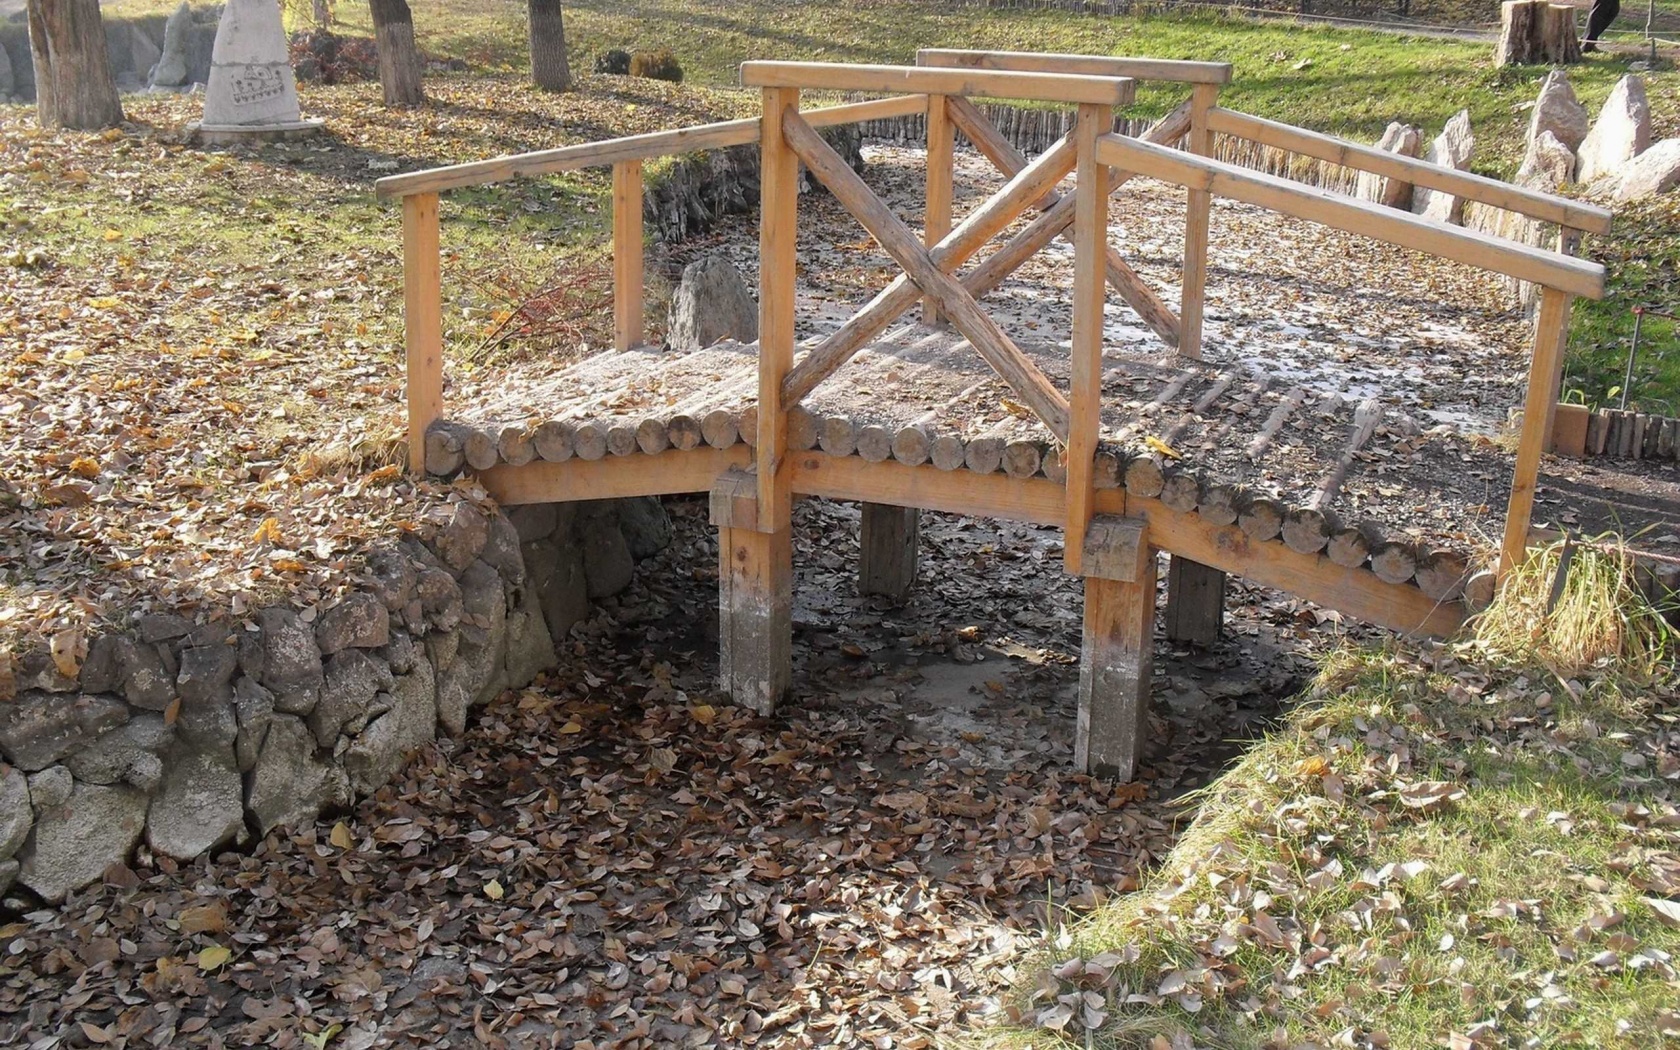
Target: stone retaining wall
(193,736)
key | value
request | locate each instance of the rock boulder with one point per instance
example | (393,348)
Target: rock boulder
(1657,170)
(1557,110)
(712,303)
(199,809)
(75,842)
(1451,149)
(1402,139)
(1621,133)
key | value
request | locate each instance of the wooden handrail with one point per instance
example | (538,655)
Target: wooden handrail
(1544,206)
(923,80)
(1166,69)
(629,148)
(1565,273)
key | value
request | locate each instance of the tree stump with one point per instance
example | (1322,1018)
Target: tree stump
(1534,32)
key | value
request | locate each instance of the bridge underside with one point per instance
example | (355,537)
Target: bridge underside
(1228,471)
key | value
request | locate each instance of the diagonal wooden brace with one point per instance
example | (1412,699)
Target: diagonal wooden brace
(1024,377)
(1122,277)
(981,225)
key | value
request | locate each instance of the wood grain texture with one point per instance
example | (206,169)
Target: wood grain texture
(422,322)
(1090,240)
(1164,69)
(889,551)
(1116,654)
(1040,87)
(1562,272)
(983,333)
(1196,216)
(1551,330)
(1544,206)
(628,308)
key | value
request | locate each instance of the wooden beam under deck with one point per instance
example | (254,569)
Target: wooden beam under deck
(1354,592)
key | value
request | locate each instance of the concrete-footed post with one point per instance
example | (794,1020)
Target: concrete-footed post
(1116,649)
(755,598)
(1195,602)
(889,550)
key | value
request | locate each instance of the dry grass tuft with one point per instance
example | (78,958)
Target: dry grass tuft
(1571,607)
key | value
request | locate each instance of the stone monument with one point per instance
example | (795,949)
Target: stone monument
(251,94)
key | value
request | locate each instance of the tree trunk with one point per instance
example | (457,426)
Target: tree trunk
(323,13)
(1534,32)
(73,85)
(548,46)
(399,58)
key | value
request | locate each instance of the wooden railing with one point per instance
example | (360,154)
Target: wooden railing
(941,85)
(1559,275)
(422,272)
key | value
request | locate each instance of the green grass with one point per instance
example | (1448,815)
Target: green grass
(1453,845)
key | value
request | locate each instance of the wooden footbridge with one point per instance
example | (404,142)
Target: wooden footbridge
(953,413)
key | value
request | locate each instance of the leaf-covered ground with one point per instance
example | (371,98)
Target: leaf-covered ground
(200,351)
(616,857)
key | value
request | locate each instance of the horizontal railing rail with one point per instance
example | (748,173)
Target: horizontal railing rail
(1543,206)
(1563,272)
(646,147)
(1164,69)
(928,80)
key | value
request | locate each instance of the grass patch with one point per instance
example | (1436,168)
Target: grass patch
(1458,848)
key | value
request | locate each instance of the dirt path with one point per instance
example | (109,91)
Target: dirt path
(619,859)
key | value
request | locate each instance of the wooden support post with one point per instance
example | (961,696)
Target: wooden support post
(1203,97)
(753,512)
(1116,649)
(422,321)
(1195,601)
(1551,331)
(889,556)
(627,254)
(941,160)
(755,597)
(1090,253)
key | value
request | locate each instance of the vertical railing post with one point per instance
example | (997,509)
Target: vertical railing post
(627,254)
(422,321)
(1569,242)
(755,587)
(1090,258)
(1202,98)
(941,160)
(1551,332)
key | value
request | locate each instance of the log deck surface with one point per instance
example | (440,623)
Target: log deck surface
(918,419)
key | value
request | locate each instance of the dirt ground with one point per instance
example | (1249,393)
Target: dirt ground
(616,857)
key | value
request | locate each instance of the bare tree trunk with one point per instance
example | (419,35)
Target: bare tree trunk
(548,46)
(399,58)
(323,13)
(73,85)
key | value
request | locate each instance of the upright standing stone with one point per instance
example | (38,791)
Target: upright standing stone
(1622,132)
(1451,149)
(711,303)
(1557,110)
(8,82)
(252,92)
(171,68)
(1401,139)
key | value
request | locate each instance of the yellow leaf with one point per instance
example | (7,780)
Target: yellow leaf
(1162,447)
(217,164)
(1314,766)
(268,532)
(66,652)
(213,958)
(84,467)
(289,565)
(340,836)
(112,235)
(571,728)
(493,890)
(703,713)
(75,357)
(386,473)
(111,135)
(104,302)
